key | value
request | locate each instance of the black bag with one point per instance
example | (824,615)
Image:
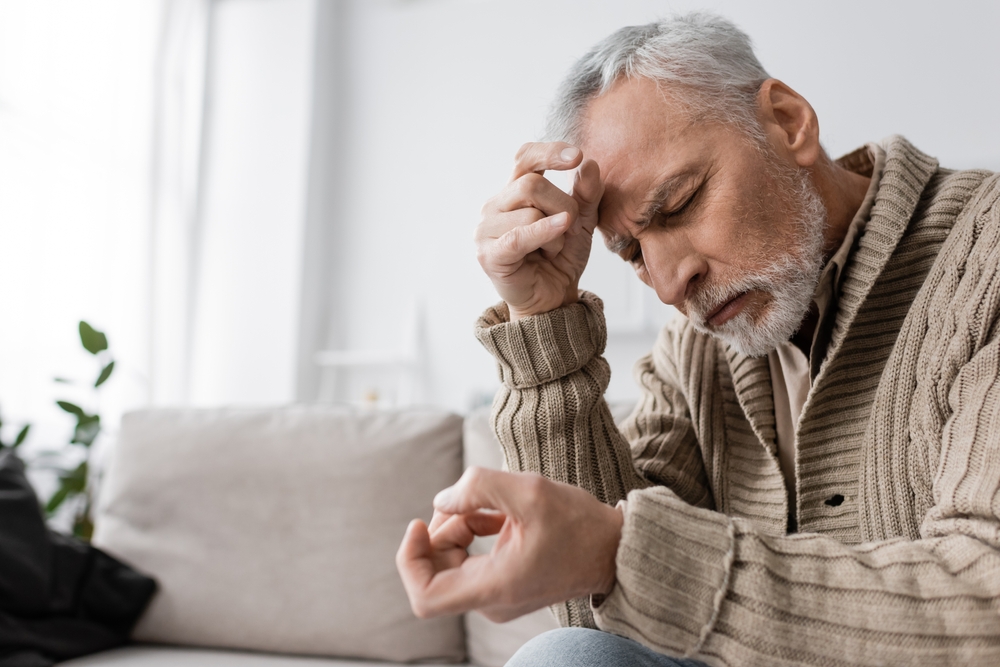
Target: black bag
(60,598)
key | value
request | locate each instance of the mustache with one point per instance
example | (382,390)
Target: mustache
(710,298)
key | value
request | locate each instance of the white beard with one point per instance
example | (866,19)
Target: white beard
(790,280)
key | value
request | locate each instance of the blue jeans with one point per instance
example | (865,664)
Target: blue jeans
(581,647)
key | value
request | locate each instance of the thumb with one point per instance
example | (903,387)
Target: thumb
(588,188)
(479,488)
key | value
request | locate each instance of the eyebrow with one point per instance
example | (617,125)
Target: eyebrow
(654,201)
(617,244)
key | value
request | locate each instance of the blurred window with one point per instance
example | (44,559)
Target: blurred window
(76,100)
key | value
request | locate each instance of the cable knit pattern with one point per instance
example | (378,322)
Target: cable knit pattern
(902,427)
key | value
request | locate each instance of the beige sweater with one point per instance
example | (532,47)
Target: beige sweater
(902,423)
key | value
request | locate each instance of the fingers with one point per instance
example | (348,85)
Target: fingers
(482,488)
(457,589)
(491,230)
(539,156)
(432,591)
(436,521)
(486,523)
(460,529)
(530,196)
(494,225)
(512,247)
(455,533)
(446,589)
(413,557)
(537,192)
(416,542)
(435,592)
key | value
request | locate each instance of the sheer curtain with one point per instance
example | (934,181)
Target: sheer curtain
(180,80)
(101,132)
(153,178)
(76,100)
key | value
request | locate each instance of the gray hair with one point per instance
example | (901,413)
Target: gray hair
(707,62)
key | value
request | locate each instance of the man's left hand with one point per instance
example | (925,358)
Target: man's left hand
(554,542)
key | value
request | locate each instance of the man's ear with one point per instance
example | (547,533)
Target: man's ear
(789,122)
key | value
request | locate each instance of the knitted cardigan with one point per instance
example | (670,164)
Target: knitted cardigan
(897,558)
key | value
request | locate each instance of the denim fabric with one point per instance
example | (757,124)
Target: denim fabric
(582,647)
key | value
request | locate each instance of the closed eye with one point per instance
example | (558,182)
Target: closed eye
(680,210)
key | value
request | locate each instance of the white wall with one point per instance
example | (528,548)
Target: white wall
(340,190)
(439,94)
(245,338)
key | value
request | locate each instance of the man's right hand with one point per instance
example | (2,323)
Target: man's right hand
(534,239)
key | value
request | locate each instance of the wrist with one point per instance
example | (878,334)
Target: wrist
(572,296)
(515,314)
(609,551)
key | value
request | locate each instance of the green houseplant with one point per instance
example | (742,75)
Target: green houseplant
(75,483)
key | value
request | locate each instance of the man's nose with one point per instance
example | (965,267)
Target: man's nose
(674,270)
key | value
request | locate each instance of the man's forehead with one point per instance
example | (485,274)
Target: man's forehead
(632,110)
(632,141)
(645,145)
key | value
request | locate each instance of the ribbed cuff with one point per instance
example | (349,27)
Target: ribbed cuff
(673,567)
(545,347)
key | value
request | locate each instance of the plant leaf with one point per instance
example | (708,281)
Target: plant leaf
(93,340)
(71,408)
(56,500)
(76,480)
(105,374)
(87,428)
(22,435)
(62,380)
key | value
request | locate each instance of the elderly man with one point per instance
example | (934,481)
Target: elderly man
(812,474)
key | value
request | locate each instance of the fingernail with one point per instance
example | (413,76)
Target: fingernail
(443,499)
(558,220)
(569,154)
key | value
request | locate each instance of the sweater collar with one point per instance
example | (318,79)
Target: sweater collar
(906,174)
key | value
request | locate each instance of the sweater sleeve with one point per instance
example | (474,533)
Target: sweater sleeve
(551,418)
(660,430)
(696,583)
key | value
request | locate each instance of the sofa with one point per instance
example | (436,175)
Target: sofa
(272,535)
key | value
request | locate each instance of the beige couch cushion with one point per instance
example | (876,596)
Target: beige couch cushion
(276,530)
